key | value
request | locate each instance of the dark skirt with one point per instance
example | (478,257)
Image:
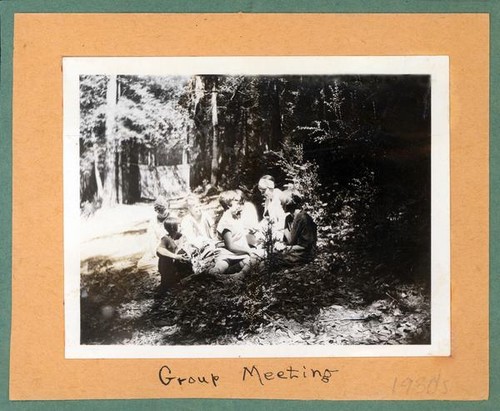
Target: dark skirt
(172,272)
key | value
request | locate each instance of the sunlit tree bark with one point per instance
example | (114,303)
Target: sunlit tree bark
(215,137)
(109,193)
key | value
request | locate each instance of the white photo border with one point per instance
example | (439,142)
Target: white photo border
(435,66)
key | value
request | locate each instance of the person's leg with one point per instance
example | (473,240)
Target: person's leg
(245,265)
(234,267)
(220,267)
(168,280)
(163,270)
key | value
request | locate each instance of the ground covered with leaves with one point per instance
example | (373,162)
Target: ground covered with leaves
(332,300)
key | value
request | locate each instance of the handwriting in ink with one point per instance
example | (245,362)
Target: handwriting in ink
(166,378)
(288,373)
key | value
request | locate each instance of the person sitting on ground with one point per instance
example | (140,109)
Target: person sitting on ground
(197,226)
(273,214)
(237,255)
(300,232)
(173,262)
(199,235)
(249,219)
(155,232)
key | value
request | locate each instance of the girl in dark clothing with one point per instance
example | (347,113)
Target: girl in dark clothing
(173,263)
(300,234)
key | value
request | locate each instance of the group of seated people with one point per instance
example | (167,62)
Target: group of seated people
(195,244)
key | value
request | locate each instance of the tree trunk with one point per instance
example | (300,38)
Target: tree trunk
(131,173)
(96,172)
(119,177)
(215,137)
(199,91)
(109,195)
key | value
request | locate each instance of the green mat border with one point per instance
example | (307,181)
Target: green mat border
(7,10)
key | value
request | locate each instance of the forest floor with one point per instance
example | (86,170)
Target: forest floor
(318,303)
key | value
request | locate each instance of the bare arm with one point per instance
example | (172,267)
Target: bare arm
(166,253)
(232,246)
(294,248)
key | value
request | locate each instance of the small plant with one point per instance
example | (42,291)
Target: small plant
(271,258)
(302,175)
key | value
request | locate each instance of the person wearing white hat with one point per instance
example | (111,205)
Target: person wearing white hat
(273,210)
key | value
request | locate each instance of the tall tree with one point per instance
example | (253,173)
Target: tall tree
(92,130)
(109,194)
(124,121)
(215,137)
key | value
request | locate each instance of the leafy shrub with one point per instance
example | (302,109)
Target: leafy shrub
(301,175)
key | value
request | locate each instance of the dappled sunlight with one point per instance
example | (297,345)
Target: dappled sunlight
(336,170)
(316,304)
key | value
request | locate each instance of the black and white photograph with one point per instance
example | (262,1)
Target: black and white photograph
(258,206)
